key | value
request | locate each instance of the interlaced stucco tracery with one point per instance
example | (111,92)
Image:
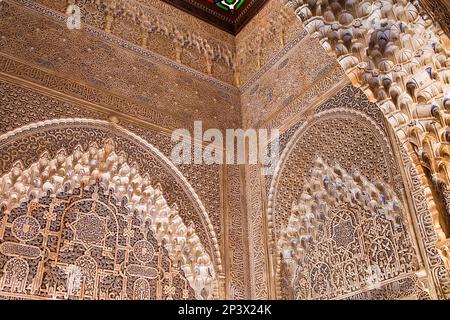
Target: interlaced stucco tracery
(153,68)
(395,53)
(341,229)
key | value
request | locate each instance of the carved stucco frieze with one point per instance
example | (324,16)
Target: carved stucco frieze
(117,69)
(439,11)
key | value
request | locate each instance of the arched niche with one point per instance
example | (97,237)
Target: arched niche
(80,153)
(337,181)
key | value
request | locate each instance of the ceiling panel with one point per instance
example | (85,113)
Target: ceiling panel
(228,15)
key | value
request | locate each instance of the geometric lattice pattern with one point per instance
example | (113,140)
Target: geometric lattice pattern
(84,245)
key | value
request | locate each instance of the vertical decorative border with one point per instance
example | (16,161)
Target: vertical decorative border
(424,228)
(236,256)
(256,233)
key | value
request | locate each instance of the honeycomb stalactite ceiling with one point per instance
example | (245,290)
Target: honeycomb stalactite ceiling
(228,15)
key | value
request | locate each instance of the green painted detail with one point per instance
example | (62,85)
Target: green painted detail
(230,4)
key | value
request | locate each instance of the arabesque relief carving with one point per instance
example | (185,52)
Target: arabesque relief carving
(103,69)
(293,175)
(439,11)
(52,136)
(343,228)
(36,204)
(17,111)
(91,207)
(155,25)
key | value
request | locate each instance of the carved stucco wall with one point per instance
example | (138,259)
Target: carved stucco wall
(283,75)
(70,271)
(64,235)
(111,65)
(22,105)
(274,98)
(440,12)
(299,75)
(342,231)
(161,28)
(264,103)
(264,36)
(47,73)
(399,56)
(52,136)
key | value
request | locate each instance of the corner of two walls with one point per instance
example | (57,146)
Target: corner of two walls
(282,74)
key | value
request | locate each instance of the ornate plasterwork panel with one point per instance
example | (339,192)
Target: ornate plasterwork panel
(439,10)
(400,58)
(334,133)
(143,112)
(259,281)
(345,235)
(290,84)
(22,105)
(273,28)
(89,57)
(110,65)
(359,131)
(159,27)
(340,128)
(434,257)
(354,98)
(110,103)
(238,241)
(17,110)
(69,134)
(84,243)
